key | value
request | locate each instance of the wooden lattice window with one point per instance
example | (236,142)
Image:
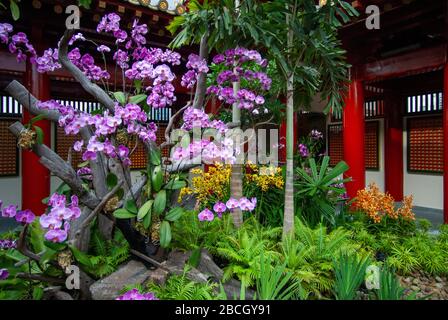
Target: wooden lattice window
(335,144)
(425,144)
(9,153)
(371,145)
(138,157)
(63,143)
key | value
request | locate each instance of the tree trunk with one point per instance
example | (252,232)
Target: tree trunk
(236,191)
(288,215)
(236,176)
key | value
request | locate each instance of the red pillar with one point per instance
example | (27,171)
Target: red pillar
(445,145)
(282,136)
(35,177)
(393,145)
(353,137)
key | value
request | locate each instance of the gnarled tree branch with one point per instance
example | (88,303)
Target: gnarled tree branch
(202,77)
(53,162)
(100,95)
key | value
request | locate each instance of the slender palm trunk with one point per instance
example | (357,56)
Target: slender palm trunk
(236,176)
(288,215)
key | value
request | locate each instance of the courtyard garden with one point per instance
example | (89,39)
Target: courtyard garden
(219,218)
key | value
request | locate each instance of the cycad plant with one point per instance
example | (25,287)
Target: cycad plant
(318,191)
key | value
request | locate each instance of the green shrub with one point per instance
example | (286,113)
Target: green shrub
(350,271)
(179,287)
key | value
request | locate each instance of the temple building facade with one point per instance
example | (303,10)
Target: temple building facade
(393,130)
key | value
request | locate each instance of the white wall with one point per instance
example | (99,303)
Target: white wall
(427,189)
(10,190)
(378,176)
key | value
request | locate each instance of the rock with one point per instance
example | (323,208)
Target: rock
(158,276)
(208,266)
(415,288)
(233,289)
(438,279)
(108,288)
(206,270)
(408,280)
(57,295)
(439,285)
(416,281)
(176,263)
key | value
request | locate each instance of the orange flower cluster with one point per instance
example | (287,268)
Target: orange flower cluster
(377,204)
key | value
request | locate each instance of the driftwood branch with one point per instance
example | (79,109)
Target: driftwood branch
(201,84)
(148,259)
(136,188)
(60,168)
(39,277)
(100,95)
(28,101)
(184,165)
(23,249)
(169,127)
(99,207)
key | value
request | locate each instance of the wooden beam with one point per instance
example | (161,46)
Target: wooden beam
(420,61)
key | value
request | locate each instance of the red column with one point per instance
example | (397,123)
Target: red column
(35,177)
(445,145)
(353,137)
(282,135)
(393,145)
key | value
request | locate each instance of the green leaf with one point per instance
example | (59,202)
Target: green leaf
(145,209)
(120,97)
(147,220)
(37,118)
(48,255)
(155,156)
(123,214)
(175,184)
(37,237)
(40,134)
(138,85)
(83,164)
(120,193)
(81,257)
(15,11)
(85,3)
(165,234)
(55,246)
(195,257)
(160,202)
(38,293)
(174,214)
(138,98)
(111,180)
(157,178)
(131,206)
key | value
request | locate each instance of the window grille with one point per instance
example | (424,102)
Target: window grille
(374,109)
(10,112)
(424,103)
